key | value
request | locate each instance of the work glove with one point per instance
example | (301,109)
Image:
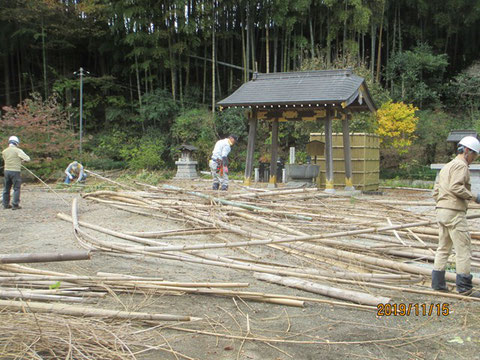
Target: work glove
(70,177)
(477,199)
(225,170)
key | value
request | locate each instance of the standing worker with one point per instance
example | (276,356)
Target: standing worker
(451,192)
(219,162)
(74,171)
(12,157)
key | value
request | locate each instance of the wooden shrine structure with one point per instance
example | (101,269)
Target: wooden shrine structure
(322,96)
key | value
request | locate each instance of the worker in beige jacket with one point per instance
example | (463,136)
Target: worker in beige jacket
(12,157)
(452,191)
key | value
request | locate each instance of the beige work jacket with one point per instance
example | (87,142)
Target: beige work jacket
(453,188)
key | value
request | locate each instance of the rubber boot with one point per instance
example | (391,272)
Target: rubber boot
(438,280)
(224,187)
(464,285)
(215,186)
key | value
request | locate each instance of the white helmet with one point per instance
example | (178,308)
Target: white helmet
(470,142)
(13,140)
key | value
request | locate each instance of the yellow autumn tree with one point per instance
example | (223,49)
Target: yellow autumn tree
(396,125)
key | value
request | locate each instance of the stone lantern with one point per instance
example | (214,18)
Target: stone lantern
(186,166)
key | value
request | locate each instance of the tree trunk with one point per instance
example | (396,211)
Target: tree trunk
(204,96)
(19,74)
(267,48)
(6,70)
(187,76)
(244,48)
(329,42)
(344,48)
(247,44)
(44,59)
(180,80)
(213,63)
(172,66)
(230,77)
(372,51)
(139,91)
(275,50)
(219,83)
(252,43)
(312,37)
(379,57)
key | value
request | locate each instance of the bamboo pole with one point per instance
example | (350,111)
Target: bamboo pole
(109,180)
(329,291)
(111,232)
(317,237)
(391,264)
(45,257)
(231,203)
(89,311)
(26,294)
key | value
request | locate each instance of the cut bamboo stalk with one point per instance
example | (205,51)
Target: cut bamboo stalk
(25,294)
(92,312)
(45,257)
(111,232)
(273,271)
(108,180)
(159,234)
(329,291)
(378,261)
(231,203)
(317,237)
(273,193)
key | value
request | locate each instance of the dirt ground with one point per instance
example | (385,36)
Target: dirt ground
(317,331)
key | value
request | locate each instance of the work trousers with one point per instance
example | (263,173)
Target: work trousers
(218,178)
(68,181)
(453,231)
(11,178)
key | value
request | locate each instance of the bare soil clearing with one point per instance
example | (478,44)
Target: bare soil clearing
(231,327)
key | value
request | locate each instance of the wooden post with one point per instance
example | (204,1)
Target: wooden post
(347,154)
(328,155)
(273,160)
(252,133)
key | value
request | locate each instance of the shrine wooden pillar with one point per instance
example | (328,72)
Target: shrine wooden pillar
(274,155)
(328,154)
(252,134)
(347,154)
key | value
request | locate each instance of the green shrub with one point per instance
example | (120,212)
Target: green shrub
(147,153)
(410,171)
(111,144)
(194,127)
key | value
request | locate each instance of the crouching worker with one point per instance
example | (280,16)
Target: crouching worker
(219,162)
(13,157)
(452,193)
(75,171)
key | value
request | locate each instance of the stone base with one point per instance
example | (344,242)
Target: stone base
(300,184)
(186,170)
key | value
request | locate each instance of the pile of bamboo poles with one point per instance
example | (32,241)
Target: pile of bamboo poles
(340,251)
(341,242)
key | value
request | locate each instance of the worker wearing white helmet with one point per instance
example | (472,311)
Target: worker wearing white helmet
(12,157)
(452,192)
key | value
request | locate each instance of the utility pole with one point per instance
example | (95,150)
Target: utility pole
(81,107)
(81,73)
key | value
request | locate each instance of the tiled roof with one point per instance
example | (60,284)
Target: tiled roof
(305,87)
(457,135)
